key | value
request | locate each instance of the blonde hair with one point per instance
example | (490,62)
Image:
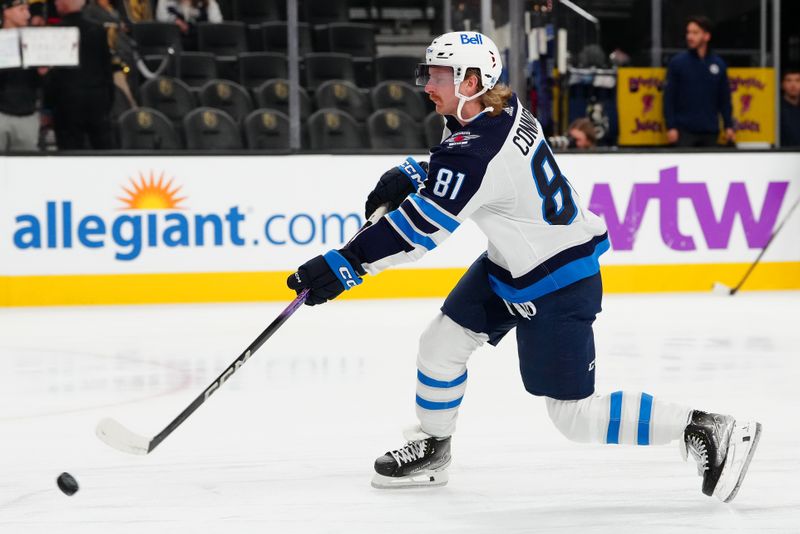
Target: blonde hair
(497,97)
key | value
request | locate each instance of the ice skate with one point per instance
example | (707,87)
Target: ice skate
(421,462)
(722,448)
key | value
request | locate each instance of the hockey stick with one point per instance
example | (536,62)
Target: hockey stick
(115,435)
(721,288)
(122,439)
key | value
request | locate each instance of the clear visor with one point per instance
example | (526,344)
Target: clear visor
(435,74)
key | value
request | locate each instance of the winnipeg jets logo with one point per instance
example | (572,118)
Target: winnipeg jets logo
(460,139)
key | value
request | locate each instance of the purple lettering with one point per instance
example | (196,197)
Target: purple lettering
(735,82)
(635,82)
(747,126)
(621,233)
(646,126)
(668,191)
(756,231)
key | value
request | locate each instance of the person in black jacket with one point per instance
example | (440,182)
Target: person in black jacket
(790,108)
(697,92)
(19,88)
(81,98)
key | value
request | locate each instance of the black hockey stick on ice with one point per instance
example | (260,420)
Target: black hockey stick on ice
(722,288)
(119,437)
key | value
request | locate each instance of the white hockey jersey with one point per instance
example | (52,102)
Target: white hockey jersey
(499,172)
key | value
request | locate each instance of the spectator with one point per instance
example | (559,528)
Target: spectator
(582,133)
(105,14)
(137,10)
(187,13)
(38,9)
(81,98)
(19,121)
(790,108)
(697,91)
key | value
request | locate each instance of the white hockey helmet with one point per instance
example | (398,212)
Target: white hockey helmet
(462,51)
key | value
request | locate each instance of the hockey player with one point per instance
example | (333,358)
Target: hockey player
(539,275)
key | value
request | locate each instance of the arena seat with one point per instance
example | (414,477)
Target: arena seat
(227,96)
(266,129)
(398,95)
(391,128)
(334,129)
(343,95)
(324,66)
(211,129)
(170,96)
(147,129)
(274,94)
(255,68)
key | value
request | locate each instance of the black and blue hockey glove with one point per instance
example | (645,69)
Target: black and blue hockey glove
(395,185)
(327,276)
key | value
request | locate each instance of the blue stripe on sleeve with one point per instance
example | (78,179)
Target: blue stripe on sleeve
(614,418)
(437,216)
(645,409)
(431,382)
(562,277)
(412,212)
(430,405)
(404,226)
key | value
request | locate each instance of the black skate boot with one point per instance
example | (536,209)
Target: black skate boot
(421,462)
(722,448)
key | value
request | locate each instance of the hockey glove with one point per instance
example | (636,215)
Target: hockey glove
(396,184)
(327,276)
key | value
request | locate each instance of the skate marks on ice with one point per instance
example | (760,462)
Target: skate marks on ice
(288,446)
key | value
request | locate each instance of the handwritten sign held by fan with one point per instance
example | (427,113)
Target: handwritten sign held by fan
(50,47)
(9,49)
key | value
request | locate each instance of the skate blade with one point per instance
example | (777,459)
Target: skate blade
(743,443)
(424,479)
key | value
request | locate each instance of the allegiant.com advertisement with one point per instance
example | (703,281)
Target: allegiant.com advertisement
(108,215)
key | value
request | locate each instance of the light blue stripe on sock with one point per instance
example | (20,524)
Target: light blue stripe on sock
(431,405)
(431,382)
(614,417)
(645,409)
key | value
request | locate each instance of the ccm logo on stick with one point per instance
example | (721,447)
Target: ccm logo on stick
(227,374)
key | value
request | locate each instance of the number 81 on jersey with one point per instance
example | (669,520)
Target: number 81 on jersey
(558,207)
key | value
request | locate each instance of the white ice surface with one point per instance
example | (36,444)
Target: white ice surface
(287,445)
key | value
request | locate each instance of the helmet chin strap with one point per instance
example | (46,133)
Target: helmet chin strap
(462,99)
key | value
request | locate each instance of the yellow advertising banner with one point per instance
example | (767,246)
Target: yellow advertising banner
(753,98)
(640,105)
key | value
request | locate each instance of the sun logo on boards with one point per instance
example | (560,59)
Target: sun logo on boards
(149,194)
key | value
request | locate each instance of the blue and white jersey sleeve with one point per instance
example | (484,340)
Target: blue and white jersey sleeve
(452,190)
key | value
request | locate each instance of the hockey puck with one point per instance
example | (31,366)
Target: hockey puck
(67,484)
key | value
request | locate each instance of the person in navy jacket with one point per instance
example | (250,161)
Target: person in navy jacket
(697,92)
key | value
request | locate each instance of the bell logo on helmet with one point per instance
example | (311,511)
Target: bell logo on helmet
(467,39)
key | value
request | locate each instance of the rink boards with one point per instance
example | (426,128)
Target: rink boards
(119,229)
